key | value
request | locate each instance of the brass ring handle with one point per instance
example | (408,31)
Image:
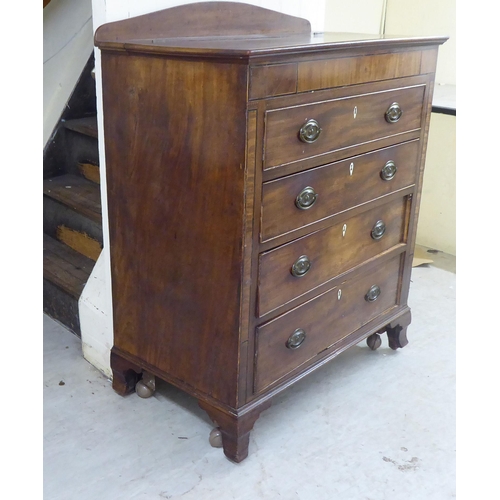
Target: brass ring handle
(296,339)
(378,230)
(388,171)
(373,293)
(301,266)
(393,113)
(309,132)
(306,198)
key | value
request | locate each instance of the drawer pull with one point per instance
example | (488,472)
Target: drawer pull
(378,230)
(388,171)
(301,266)
(309,132)
(393,113)
(373,293)
(306,198)
(296,339)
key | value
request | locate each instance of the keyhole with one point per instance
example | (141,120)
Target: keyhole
(344,229)
(339,294)
(355,113)
(351,168)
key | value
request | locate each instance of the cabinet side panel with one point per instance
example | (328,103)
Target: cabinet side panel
(175,152)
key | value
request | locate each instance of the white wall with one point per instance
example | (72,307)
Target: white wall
(400,17)
(95,304)
(114,10)
(354,16)
(437,220)
(67,45)
(427,17)
(436,226)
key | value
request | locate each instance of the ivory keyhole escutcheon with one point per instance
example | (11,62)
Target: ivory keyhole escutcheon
(344,229)
(355,112)
(351,168)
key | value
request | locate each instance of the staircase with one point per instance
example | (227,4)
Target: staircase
(72,224)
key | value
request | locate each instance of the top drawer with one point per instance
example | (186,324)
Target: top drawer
(299,132)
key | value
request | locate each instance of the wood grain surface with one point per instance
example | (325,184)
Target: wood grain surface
(325,320)
(331,251)
(176,214)
(339,186)
(344,123)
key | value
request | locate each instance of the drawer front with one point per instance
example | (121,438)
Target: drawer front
(324,320)
(343,123)
(293,269)
(301,199)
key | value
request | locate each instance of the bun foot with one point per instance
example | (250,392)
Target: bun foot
(374,341)
(215,438)
(145,387)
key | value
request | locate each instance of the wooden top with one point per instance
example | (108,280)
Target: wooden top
(229,29)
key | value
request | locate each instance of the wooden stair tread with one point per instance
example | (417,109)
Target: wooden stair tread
(64,267)
(77,193)
(86,125)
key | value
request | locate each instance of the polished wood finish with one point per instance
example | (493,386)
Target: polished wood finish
(325,319)
(340,71)
(171,188)
(203,19)
(340,186)
(331,251)
(202,109)
(344,122)
(272,80)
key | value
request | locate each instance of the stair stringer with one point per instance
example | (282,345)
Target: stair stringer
(96,316)
(95,303)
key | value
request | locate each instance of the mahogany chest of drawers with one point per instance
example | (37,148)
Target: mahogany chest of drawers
(263,189)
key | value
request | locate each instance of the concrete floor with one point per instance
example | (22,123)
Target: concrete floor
(368,426)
